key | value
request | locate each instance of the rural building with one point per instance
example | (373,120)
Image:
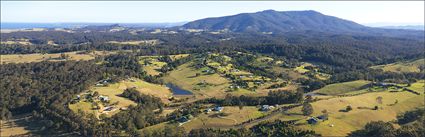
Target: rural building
(103,98)
(123,108)
(312,120)
(208,110)
(385,84)
(219,109)
(184,119)
(322,117)
(109,108)
(266,108)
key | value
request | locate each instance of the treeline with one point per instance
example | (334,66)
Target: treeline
(376,75)
(273,98)
(276,128)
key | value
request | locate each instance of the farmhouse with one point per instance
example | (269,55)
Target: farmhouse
(312,120)
(384,84)
(323,117)
(266,108)
(208,110)
(103,98)
(219,109)
(109,108)
(184,119)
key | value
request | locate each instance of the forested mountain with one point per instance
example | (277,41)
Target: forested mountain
(290,21)
(274,21)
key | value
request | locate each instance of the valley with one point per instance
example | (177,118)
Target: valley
(268,73)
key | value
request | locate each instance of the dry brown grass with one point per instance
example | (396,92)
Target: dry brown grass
(38,57)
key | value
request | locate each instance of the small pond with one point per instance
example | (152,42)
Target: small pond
(177,90)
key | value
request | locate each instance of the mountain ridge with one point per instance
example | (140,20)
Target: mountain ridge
(275,21)
(294,21)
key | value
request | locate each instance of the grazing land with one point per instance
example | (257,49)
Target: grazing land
(152,65)
(113,91)
(17,41)
(405,66)
(342,88)
(185,77)
(38,57)
(341,123)
(25,125)
(227,118)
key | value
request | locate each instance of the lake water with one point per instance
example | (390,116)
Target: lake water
(177,90)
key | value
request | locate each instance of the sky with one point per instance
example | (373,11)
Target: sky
(364,12)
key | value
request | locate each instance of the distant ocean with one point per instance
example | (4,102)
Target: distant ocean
(45,25)
(9,25)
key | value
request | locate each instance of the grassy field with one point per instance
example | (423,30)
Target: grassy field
(27,58)
(114,90)
(178,56)
(406,66)
(301,69)
(185,77)
(16,126)
(24,125)
(154,65)
(156,90)
(21,30)
(151,65)
(18,41)
(345,122)
(234,116)
(341,88)
(418,86)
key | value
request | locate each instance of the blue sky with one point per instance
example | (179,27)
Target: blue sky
(364,12)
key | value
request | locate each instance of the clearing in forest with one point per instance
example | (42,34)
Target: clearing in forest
(37,57)
(405,66)
(341,88)
(109,102)
(341,123)
(197,80)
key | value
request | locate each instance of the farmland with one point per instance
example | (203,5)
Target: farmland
(185,77)
(113,91)
(28,58)
(115,80)
(231,116)
(341,88)
(345,122)
(405,66)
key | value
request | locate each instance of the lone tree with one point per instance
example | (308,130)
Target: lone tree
(325,112)
(307,109)
(349,108)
